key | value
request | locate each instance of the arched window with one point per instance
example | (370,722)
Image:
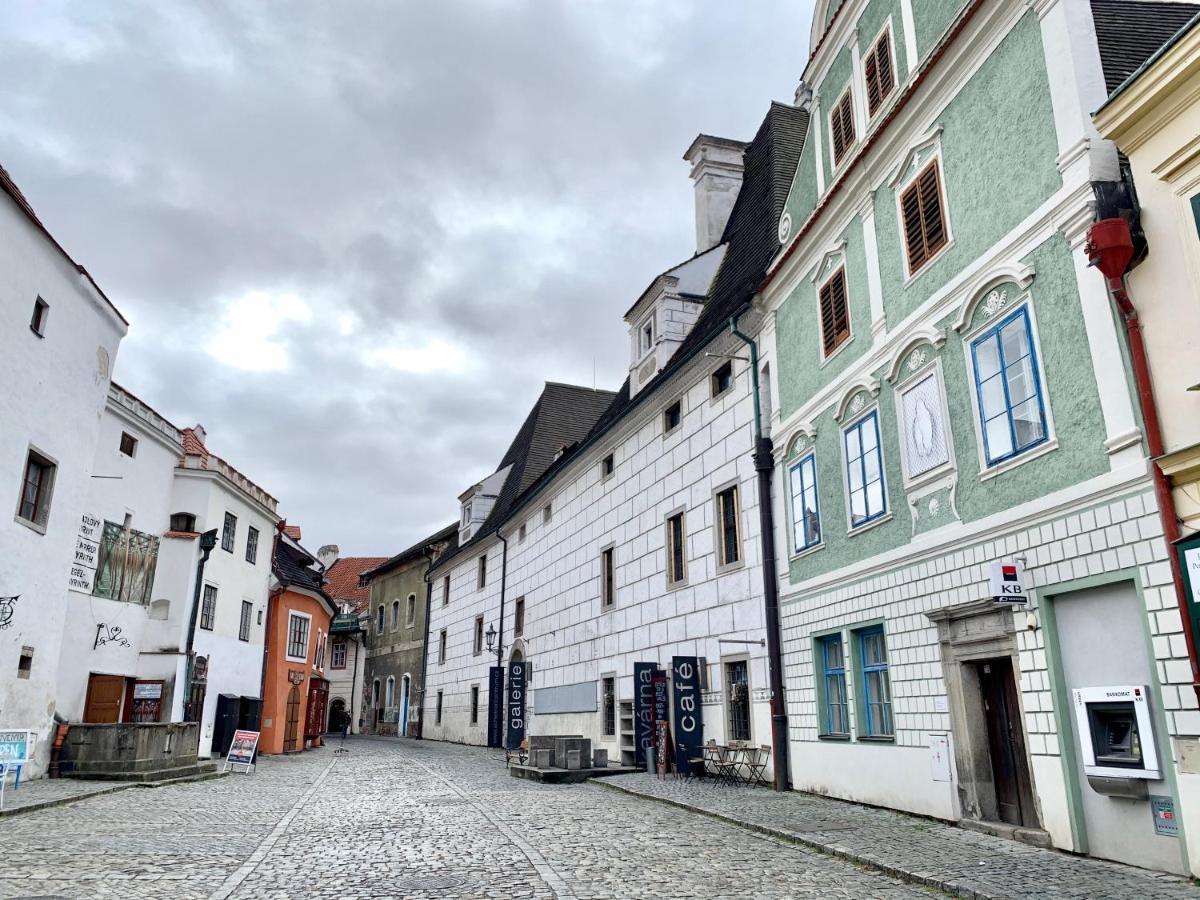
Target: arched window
(410,613)
(395,614)
(379,620)
(375,693)
(391,692)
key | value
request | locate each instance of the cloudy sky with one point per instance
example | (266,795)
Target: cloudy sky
(354,239)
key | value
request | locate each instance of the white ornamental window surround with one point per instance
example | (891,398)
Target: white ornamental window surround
(925,152)
(299,624)
(990,317)
(864,475)
(887,35)
(926,444)
(645,336)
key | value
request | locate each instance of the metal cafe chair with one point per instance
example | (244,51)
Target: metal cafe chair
(756,762)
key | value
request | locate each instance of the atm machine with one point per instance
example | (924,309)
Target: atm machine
(1116,739)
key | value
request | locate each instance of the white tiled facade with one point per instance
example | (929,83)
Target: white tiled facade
(568,639)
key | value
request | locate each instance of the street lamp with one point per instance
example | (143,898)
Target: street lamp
(490,635)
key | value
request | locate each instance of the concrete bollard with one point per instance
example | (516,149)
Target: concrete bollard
(574,759)
(599,759)
(542,758)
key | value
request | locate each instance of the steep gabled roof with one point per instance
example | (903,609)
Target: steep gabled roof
(447,536)
(561,418)
(341,580)
(292,565)
(1129,32)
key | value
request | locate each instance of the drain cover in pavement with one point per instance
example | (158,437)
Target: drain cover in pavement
(420,884)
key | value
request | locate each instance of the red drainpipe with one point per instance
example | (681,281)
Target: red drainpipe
(1110,248)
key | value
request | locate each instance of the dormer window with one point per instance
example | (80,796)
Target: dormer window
(466,515)
(646,338)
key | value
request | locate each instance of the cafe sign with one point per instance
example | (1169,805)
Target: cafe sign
(689,717)
(643,713)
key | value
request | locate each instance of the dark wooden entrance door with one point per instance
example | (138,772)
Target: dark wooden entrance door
(1006,742)
(293,720)
(103,703)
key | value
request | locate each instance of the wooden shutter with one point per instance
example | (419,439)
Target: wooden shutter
(835,317)
(924,221)
(878,73)
(841,122)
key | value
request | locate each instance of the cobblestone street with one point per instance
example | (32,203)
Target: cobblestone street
(409,819)
(425,820)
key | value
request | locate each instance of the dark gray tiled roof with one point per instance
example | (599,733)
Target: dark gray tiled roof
(562,417)
(1129,32)
(291,567)
(447,535)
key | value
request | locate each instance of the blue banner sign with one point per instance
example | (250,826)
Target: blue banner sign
(518,675)
(495,706)
(15,746)
(689,717)
(643,710)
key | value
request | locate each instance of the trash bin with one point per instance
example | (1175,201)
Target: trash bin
(651,765)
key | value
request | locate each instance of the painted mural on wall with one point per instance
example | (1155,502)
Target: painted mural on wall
(126,564)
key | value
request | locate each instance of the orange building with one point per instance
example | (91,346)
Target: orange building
(295,691)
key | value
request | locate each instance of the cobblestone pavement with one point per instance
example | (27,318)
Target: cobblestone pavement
(954,859)
(48,791)
(404,819)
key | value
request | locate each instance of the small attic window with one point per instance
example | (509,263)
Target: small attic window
(646,336)
(547,514)
(722,379)
(672,416)
(183,522)
(128,444)
(41,311)
(608,465)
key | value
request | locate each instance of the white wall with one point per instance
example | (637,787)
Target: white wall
(568,639)
(54,391)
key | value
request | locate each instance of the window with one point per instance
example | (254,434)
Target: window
(41,312)
(521,532)
(466,514)
(442,647)
(519,617)
(410,610)
(729,539)
(608,706)
(379,614)
(1012,415)
(835,713)
(128,443)
(876,689)
(737,683)
(924,432)
(482,571)
(229,532)
(924,219)
(208,607)
(607,466)
(319,656)
(676,549)
(395,614)
(252,545)
(608,578)
(721,380)
(835,314)
(297,637)
(841,126)
(439,708)
(478,641)
(247,618)
(864,471)
(547,514)
(375,694)
(672,416)
(878,72)
(647,335)
(389,692)
(337,655)
(806,512)
(446,591)
(185,522)
(36,490)
(474,704)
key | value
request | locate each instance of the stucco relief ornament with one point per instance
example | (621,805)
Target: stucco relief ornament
(935,506)
(994,303)
(857,403)
(917,359)
(7,610)
(785,227)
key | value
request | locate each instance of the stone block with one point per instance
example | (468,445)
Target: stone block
(599,759)
(564,745)
(543,759)
(574,759)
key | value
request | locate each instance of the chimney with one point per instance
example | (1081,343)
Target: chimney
(717,177)
(201,434)
(327,555)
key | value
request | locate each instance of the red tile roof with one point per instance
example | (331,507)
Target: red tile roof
(292,531)
(342,579)
(193,446)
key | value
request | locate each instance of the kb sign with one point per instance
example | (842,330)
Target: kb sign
(1008,583)
(689,717)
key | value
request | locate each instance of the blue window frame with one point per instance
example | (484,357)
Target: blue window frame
(876,687)
(864,471)
(1012,414)
(835,711)
(806,510)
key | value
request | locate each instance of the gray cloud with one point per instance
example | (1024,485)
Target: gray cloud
(462,199)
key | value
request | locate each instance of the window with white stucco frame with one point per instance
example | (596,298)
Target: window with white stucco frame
(865,481)
(805,503)
(297,641)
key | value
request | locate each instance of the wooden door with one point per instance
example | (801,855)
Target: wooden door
(104,696)
(293,720)
(1006,741)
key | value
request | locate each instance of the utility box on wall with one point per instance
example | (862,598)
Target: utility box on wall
(1116,738)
